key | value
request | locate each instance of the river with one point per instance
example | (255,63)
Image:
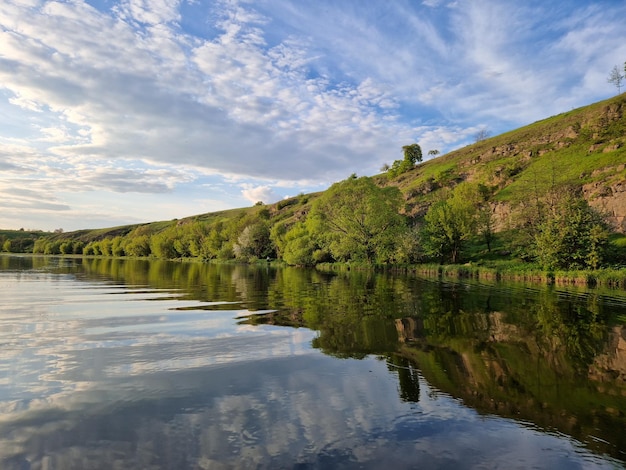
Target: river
(120,364)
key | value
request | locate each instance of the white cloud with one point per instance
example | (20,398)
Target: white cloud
(264,194)
(292,94)
(151,12)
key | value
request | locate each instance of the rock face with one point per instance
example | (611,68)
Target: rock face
(611,200)
(582,149)
(607,192)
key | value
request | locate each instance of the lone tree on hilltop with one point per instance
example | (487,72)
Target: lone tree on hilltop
(412,153)
(616,78)
(482,134)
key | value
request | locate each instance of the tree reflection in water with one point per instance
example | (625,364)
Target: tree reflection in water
(552,357)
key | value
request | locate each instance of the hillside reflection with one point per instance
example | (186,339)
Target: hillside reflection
(554,358)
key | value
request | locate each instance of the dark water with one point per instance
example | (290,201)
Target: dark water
(149,365)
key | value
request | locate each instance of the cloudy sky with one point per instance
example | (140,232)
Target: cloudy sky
(117,112)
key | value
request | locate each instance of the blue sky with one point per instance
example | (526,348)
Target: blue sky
(118,112)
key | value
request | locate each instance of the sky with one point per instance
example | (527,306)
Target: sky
(133,111)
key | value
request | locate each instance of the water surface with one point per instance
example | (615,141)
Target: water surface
(138,364)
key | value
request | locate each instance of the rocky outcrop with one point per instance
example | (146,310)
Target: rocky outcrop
(610,199)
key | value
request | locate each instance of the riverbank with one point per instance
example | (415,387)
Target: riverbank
(494,271)
(527,272)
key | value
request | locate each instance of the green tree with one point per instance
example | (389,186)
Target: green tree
(106,246)
(162,246)
(412,154)
(138,245)
(408,249)
(52,248)
(216,239)
(485,224)
(117,246)
(97,250)
(66,247)
(254,242)
(356,219)
(299,246)
(277,236)
(181,239)
(449,223)
(39,245)
(572,236)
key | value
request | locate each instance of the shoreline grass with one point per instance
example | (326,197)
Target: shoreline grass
(506,271)
(613,277)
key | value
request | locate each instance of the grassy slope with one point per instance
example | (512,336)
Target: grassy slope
(581,147)
(15,234)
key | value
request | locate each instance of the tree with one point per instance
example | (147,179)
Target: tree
(572,236)
(162,246)
(408,249)
(450,222)
(254,242)
(66,247)
(412,153)
(616,77)
(357,220)
(299,246)
(105,246)
(138,245)
(482,134)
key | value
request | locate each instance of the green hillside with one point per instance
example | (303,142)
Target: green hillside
(585,147)
(506,178)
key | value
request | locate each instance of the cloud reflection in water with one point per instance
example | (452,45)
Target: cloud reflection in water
(95,380)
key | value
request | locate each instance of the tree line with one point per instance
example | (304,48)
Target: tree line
(360,221)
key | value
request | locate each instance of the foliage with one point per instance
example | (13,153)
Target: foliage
(412,155)
(408,249)
(357,220)
(299,246)
(162,246)
(254,242)
(138,246)
(572,235)
(451,222)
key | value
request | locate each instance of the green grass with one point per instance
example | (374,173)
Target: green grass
(15,234)
(545,153)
